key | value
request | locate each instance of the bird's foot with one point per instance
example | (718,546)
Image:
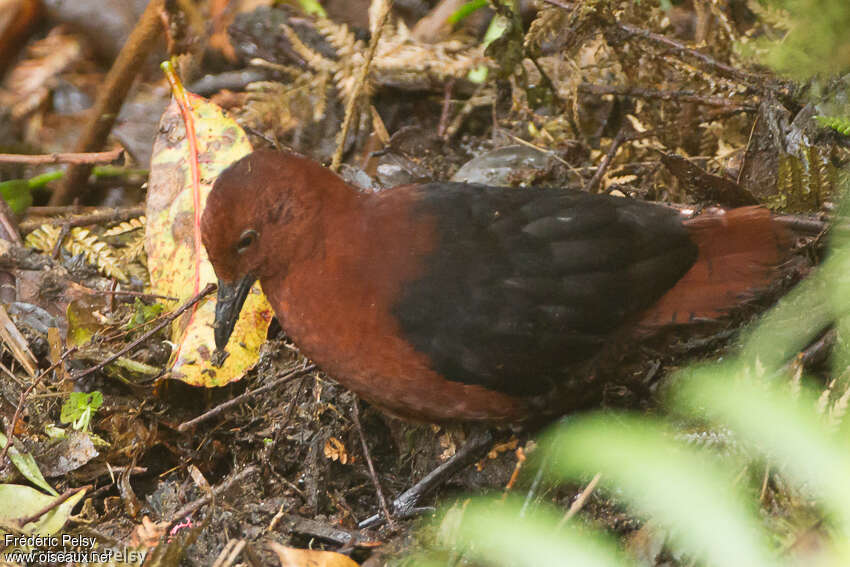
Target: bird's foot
(405,505)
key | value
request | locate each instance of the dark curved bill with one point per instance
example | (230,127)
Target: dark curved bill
(229,303)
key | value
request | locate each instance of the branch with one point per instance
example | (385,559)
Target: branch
(112,94)
(72,158)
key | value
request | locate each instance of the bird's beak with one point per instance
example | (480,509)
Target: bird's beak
(231,297)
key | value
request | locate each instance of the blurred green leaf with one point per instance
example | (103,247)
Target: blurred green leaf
(313,7)
(790,433)
(466,10)
(681,488)
(495,532)
(16,193)
(817,42)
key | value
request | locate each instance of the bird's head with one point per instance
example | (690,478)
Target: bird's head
(259,218)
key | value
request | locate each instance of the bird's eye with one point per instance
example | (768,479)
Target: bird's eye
(246,239)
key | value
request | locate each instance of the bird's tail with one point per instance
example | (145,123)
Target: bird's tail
(739,251)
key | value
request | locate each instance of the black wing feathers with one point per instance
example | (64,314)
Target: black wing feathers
(524,282)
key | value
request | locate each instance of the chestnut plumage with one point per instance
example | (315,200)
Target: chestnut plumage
(450,301)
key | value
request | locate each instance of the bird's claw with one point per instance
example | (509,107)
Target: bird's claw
(399,511)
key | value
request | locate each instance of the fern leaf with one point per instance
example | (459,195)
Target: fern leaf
(43,238)
(95,251)
(125,227)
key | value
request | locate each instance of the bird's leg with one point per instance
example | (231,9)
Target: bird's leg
(355,414)
(405,505)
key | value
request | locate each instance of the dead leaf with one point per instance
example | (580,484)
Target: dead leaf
(293,557)
(67,454)
(183,169)
(500,448)
(335,451)
(27,85)
(448,445)
(148,533)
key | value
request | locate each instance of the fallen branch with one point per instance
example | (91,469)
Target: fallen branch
(579,502)
(114,215)
(752,80)
(89,158)
(678,96)
(111,96)
(606,161)
(335,534)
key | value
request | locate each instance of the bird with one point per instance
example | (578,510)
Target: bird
(443,302)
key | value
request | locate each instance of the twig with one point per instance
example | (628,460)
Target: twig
(479,98)
(743,167)
(141,294)
(520,460)
(444,113)
(52,506)
(579,502)
(111,96)
(193,507)
(355,415)
(335,534)
(10,430)
(764,484)
(558,4)
(359,83)
(9,224)
(717,114)
(535,485)
(60,240)
(802,224)
(680,96)
(101,537)
(185,426)
(817,352)
(11,336)
(114,215)
(228,555)
(606,161)
(90,158)
(46,211)
(201,294)
(757,82)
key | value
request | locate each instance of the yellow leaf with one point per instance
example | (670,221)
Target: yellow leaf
(183,169)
